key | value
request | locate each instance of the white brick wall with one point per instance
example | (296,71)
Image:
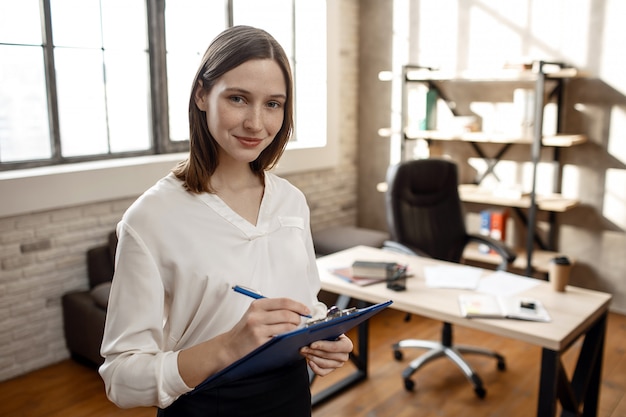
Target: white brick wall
(43,255)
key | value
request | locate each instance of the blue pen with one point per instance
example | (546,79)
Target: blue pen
(254,294)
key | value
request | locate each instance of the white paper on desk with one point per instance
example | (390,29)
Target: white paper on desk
(505,284)
(452,276)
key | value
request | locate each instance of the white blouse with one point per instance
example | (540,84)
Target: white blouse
(178,256)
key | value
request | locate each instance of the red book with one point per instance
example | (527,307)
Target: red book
(498,225)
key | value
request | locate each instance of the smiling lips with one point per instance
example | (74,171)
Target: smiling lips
(249,142)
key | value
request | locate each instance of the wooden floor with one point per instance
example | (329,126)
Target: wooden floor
(70,389)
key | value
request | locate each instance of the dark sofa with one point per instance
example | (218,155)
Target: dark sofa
(84,312)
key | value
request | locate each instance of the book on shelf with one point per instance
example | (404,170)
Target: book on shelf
(485,229)
(492,224)
(498,225)
(501,307)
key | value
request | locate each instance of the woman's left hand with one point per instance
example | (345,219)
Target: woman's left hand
(325,356)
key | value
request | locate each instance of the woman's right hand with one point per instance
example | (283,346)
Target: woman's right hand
(264,319)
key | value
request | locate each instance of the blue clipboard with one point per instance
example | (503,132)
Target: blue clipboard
(284,349)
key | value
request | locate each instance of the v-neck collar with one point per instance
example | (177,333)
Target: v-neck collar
(227,213)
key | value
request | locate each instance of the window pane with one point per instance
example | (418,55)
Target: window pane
(20,22)
(76,23)
(82,115)
(130,15)
(181,68)
(189,28)
(192,24)
(127,75)
(311,68)
(274,16)
(128,101)
(24,131)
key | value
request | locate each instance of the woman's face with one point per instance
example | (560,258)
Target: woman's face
(245,109)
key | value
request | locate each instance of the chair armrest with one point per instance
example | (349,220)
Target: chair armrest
(393,246)
(506,253)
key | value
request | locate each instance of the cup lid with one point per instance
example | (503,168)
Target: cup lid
(561,260)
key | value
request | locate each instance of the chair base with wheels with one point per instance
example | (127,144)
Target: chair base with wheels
(445,348)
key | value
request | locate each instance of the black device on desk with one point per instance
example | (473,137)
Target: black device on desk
(397,282)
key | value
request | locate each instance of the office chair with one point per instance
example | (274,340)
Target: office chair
(425,218)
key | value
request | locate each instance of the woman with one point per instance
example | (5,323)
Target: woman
(219,219)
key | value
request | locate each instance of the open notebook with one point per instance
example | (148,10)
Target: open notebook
(493,306)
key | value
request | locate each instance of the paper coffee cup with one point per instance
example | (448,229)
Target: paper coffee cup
(559,272)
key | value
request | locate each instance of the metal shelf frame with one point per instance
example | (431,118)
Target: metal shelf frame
(540,77)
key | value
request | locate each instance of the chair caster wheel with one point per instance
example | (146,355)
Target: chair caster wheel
(501,365)
(480,392)
(397,355)
(409,385)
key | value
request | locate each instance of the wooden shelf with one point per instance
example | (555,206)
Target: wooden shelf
(554,202)
(559,140)
(414,74)
(540,259)
(563,140)
(547,80)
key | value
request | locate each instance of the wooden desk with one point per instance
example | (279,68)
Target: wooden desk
(575,313)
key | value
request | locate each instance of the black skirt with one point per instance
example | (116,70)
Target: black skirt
(282,392)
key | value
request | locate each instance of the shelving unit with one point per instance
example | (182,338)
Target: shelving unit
(543,75)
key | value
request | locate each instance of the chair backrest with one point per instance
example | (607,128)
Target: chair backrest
(424,210)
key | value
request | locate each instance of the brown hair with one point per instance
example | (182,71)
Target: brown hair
(231,48)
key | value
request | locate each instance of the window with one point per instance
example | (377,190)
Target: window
(77,89)
(24,129)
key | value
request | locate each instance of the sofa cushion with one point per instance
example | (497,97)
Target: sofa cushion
(100,262)
(100,294)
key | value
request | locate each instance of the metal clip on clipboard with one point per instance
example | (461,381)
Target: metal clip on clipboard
(332,313)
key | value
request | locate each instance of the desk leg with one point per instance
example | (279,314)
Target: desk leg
(548,381)
(588,374)
(583,391)
(360,361)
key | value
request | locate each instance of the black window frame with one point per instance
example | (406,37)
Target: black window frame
(160,141)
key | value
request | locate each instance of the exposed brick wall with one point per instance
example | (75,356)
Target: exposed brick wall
(43,255)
